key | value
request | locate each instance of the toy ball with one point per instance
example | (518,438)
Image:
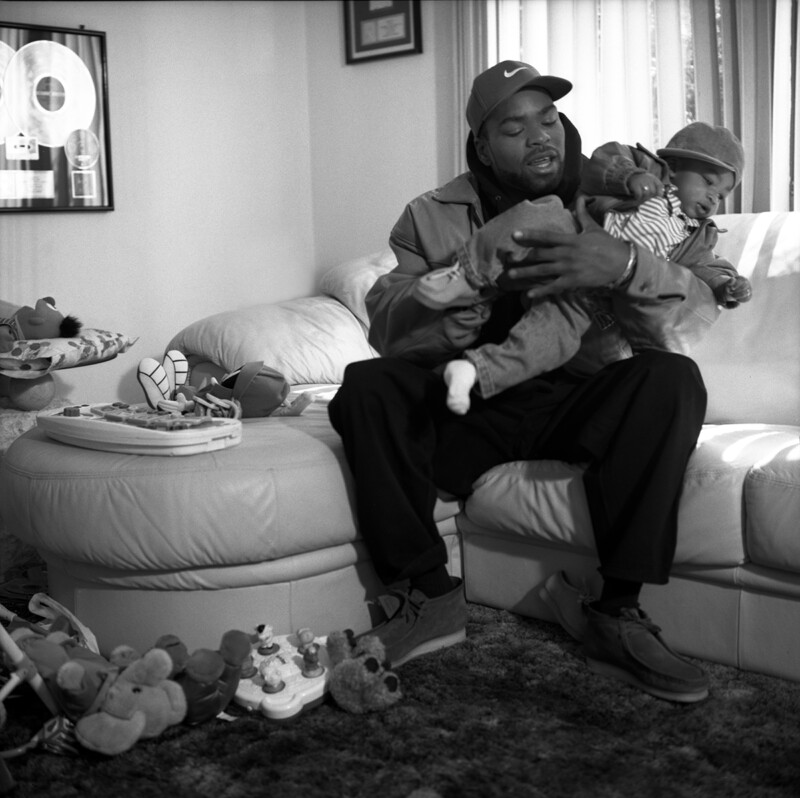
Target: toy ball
(32,394)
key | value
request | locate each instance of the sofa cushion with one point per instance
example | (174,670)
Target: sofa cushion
(772,493)
(282,491)
(170,522)
(736,500)
(350,281)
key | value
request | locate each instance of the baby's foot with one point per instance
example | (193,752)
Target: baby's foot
(459,376)
(445,288)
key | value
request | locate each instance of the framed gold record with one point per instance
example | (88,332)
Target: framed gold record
(55,151)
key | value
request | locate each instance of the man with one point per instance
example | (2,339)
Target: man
(625,404)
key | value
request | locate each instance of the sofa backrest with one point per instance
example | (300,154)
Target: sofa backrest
(750,360)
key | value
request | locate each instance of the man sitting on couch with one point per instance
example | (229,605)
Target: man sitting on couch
(625,405)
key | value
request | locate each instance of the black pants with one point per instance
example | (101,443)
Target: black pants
(635,423)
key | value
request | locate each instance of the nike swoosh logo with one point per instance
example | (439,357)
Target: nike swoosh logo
(513,72)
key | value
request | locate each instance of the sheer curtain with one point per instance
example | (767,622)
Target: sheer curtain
(642,69)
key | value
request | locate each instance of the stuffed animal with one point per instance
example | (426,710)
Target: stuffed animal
(139,704)
(208,678)
(75,676)
(360,679)
(35,323)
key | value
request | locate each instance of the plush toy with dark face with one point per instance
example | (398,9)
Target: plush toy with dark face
(36,323)
(360,680)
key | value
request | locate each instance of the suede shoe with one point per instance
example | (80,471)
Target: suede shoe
(630,648)
(418,625)
(567,603)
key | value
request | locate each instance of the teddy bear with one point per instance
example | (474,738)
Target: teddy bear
(139,704)
(35,323)
(360,680)
(208,678)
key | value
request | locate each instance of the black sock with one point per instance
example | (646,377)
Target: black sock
(433,583)
(618,594)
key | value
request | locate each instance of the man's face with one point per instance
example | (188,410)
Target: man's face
(523,143)
(701,187)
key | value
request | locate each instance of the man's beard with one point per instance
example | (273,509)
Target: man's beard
(533,184)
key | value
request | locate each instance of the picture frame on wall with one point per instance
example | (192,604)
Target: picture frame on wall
(55,150)
(381,29)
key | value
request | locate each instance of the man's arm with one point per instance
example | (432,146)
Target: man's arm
(663,305)
(400,325)
(425,238)
(549,263)
(613,167)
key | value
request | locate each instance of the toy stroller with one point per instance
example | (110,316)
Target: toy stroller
(56,734)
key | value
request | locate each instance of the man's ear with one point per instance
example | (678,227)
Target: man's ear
(483,152)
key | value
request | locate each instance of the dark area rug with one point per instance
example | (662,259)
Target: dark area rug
(513,711)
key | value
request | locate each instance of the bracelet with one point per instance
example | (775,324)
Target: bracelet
(625,277)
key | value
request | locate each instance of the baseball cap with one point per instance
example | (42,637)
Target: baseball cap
(502,80)
(712,144)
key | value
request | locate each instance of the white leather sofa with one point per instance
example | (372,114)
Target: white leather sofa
(264,532)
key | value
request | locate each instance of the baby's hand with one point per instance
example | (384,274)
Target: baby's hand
(733,292)
(644,186)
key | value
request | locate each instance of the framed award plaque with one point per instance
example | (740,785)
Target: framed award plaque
(55,150)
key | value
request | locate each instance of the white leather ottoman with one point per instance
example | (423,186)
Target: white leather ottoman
(139,546)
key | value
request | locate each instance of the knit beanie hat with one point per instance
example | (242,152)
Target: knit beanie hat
(712,144)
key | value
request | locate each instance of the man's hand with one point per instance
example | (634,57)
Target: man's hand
(557,262)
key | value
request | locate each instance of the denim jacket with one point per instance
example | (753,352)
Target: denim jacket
(664,306)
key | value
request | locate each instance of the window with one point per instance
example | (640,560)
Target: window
(642,69)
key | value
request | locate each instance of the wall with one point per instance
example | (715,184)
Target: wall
(325,157)
(199,225)
(381,131)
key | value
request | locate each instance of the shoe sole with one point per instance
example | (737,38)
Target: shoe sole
(615,672)
(429,646)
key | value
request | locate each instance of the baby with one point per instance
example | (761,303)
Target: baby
(662,202)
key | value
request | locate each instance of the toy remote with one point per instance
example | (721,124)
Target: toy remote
(138,429)
(283,682)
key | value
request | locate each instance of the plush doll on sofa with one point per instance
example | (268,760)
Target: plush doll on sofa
(36,323)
